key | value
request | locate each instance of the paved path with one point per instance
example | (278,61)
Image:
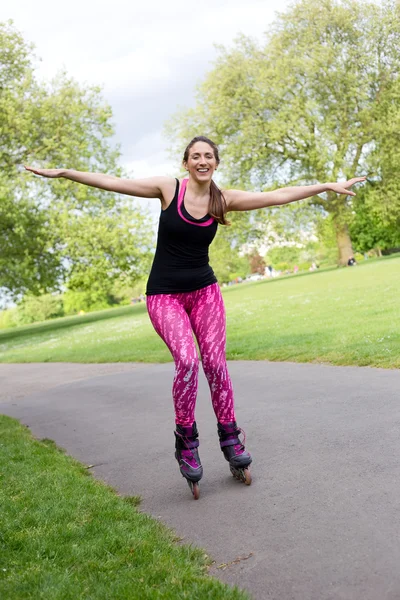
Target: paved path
(321,520)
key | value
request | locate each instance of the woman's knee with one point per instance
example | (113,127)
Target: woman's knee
(187,365)
(214,366)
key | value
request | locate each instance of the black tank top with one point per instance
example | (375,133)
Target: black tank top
(181,262)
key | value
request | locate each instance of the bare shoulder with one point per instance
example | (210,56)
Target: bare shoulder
(167,187)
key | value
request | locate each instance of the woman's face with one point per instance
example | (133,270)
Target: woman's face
(201,163)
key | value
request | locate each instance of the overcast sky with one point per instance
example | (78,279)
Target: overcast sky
(147,55)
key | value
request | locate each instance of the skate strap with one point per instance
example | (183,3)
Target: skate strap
(185,442)
(189,444)
(231,442)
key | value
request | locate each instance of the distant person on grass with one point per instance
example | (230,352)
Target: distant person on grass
(183,296)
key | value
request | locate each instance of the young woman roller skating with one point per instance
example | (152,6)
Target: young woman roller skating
(183,296)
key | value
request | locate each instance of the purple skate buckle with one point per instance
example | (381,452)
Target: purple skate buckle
(231,442)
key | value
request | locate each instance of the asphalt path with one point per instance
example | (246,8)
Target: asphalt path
(321,520)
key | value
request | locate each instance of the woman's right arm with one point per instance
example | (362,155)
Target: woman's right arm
(151,187)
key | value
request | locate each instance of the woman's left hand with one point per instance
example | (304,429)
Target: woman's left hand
(342,188)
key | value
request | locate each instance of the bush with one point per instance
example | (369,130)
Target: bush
(39,308)
(282,266)
(123,293)
(90,300)
(304,266)
(9,318)
(288,255)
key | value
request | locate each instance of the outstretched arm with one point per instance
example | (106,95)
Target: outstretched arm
(151,187)
(239,200)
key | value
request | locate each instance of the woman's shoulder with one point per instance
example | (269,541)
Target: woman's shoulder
(168,186)
(169,191)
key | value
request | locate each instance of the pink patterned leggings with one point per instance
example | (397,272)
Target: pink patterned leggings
(175,317)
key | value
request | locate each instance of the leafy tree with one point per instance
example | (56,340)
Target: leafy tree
(108,247)
(257,263)
(284,254)
(27,257)
(39,308)
(225,260)
(376,221)
(316,102)
(55,231)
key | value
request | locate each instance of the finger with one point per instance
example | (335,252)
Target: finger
(32,170)
(355,180)
(345,191)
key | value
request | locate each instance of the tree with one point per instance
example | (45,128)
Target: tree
(45,224)
(376,221)
(257,263)
(314,103)
(108,247)
(225,260)
(27,257)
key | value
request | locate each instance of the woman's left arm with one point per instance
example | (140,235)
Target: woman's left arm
(239,200)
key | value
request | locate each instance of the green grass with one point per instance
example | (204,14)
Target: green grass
(65,536)
(345,316)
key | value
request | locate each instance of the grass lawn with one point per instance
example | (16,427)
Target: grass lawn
(64,535)
(346,316)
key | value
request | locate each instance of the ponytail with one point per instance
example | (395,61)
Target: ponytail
(217,207)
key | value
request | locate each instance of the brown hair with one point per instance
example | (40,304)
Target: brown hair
(217,207)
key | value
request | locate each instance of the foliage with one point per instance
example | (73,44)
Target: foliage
(225,260)
(257,263)
(93,299)
(39,308)
(124,293)
(286,257)
(108,246)
(56,231)
(282,267)
(314,103)
(289,255)
(9,318)
(28,259)
(376,221)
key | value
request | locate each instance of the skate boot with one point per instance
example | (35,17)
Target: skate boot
(187,455)
(234,451)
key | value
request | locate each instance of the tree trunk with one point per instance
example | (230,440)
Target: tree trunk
(345,248)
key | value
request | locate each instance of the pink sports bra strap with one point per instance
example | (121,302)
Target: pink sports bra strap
(182,191)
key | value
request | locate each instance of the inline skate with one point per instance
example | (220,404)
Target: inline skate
(234,451)
(187,455)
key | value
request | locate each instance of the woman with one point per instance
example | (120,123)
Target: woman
(183,296)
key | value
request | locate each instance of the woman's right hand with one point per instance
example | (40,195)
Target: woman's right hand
(46,172)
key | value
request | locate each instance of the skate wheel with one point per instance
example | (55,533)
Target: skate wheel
(243,475)
(247,476)
(195,489)
(235,473)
